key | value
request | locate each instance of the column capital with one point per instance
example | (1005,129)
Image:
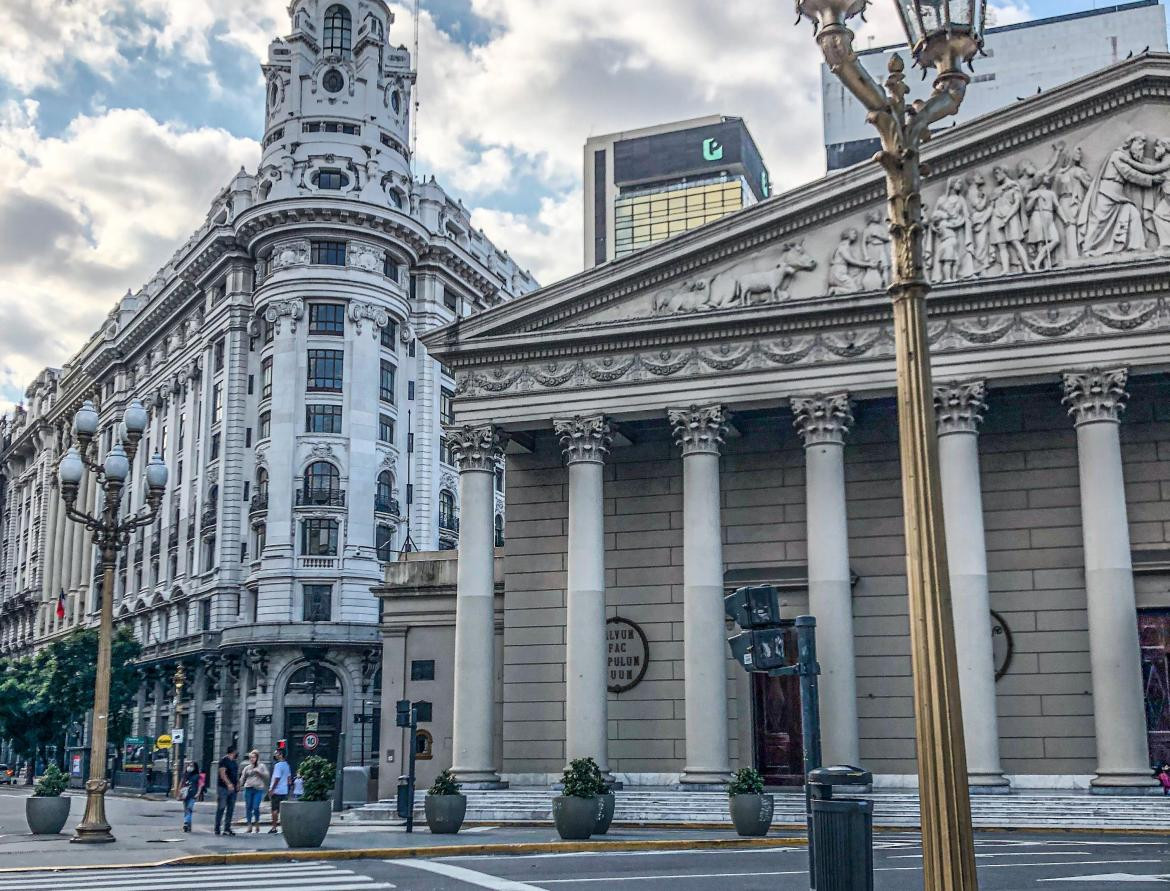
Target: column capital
(823,418)
(476,447)
(584,439)
(698,430)
(959,406)
(1095,394)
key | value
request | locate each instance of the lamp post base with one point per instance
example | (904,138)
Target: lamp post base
(93,828)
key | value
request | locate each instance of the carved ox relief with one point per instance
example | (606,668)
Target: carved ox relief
(764,280)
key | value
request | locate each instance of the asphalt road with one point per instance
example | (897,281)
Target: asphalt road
(1006,861)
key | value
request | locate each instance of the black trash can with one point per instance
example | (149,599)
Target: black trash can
(842,829)
(404,802)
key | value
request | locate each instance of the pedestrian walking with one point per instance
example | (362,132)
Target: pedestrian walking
(254,780)
(278,787)
(202,783)
(1164,778)
(189,793)
(225,791)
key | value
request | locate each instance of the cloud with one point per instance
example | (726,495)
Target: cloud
(548,244)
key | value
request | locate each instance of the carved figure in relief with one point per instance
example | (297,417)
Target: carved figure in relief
(875,245)
(687,297)
(772,284)
(950,229)
(1071,182)
(1007,231)
(1161,212)
(1112,215)
(1044,211)
(848,265)
(979,211)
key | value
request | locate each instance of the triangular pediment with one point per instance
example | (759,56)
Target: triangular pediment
(1052,184)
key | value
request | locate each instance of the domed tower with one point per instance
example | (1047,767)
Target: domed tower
(337,104)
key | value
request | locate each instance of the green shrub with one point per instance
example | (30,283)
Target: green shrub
(444,784)
(318,776)
(747,781)
(599,780)
(52,782)
(582,778)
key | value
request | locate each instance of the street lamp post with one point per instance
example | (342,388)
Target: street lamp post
(943,34)
(111,534)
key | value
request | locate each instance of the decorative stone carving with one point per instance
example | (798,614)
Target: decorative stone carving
(959,406)
(366,257)
(377,316)
(476,448)
(698,430)
(822,419)
(1118,215)
(448,481)
(291,253)
(850,268)
(1095,395)
(319,450)
(584,439)
(293,308)
(764,281)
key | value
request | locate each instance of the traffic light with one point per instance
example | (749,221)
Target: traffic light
(756,606)
(402,713)
(756,609)
(761,649)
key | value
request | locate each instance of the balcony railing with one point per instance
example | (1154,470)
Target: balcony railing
(316,562)
(448,523)
(259,503)
(321,497)
(386,506)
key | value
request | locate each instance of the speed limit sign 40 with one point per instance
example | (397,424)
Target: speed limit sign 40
(310,742)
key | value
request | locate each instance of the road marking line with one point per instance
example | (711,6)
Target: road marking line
(1006,854)
(604,853)
(470,876)
(112,880)
(1113,877)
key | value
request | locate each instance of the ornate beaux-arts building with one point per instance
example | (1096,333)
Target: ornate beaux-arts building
(277,353)
(718,410)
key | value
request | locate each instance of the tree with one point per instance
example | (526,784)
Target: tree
(28,715)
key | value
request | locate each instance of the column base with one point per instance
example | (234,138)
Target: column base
(1124,784)
(698,780)
(988,784)
(478,779)
(482,785)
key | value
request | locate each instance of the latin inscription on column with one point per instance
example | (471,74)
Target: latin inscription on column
(628,654)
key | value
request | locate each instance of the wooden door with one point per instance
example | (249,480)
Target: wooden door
(776,715)
(1154,637)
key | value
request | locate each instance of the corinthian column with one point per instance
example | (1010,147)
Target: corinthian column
(823,421)
(1096,399)
(699,431)
(586,442)
(476,450)
(958,411)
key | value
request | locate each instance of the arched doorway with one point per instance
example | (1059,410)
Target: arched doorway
(313,712)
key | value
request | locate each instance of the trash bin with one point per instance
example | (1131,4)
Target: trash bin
(404,802)
(842,830)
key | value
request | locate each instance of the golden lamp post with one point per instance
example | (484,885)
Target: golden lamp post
(111,534)
(943,35)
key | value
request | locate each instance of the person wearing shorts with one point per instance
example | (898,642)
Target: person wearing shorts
(278,787)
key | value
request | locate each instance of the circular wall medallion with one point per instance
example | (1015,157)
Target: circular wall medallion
(627,654)
(1001,644)
(333,81)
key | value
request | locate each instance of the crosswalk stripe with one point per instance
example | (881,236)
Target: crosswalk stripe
(254,877)
(469,876)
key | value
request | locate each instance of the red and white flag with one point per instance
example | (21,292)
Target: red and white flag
(61,604)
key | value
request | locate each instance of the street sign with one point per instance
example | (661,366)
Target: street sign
(164,741)
(310,742)
(177,736)
(311,719)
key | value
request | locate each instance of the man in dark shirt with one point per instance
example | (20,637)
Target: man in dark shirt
(225,792)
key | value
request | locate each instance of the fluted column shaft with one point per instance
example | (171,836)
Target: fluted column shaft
(958,411)
(1096,400)
(586,442)
(699,431)
(477,450)
(823,421)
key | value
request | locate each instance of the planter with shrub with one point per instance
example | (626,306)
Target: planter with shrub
(575,809)
(445,805)
(47,809)
(306,821)
(751,809)
(605,803)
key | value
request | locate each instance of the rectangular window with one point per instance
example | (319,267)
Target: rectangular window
(269,327)
(327,253)
(319,537)
(385,428)
(248,438)
(447,407)
(445,453)
(329,179)
(384,543)
(499,479)
(264,427)
(422,669)
(386,384)
(326,370)
(410,350)
(423,711)
(389,335)
(219,349)
(390,267)
(261,540)
(327,318)
(216,404)
(214,447)
(209,553)
(178,472)
(266,378)
(410,390)
(243,551)
(318,603)
(251,384)
(205,614)
(322,418)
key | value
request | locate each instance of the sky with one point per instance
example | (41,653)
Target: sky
(121,119)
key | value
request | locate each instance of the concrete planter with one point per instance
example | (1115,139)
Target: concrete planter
(605,805)
(445,813)
(575,817)
(46,814)
(305,823)
(751,814)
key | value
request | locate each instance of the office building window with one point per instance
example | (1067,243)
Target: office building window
(499,530)
(330,179)
(385,428)
(384,542)
(327,253)
(205,614)
(214,447)
(447,407)
(269,329)
(266,378)
(218,354)
(264,427)
(322,481)
(386,384)
(423,711)
(326,370)
(323,419)
(216,404)
(422,669)
(390,268)
(208,555)
(447,518)
(327,318)
(338,31)
(643,219)
(319,537)
(410,390)
(318,605)
(384,493)
(389,335)
(499,478)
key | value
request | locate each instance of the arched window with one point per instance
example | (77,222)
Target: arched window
(447,519)
(338,30)
(384,496)
(314,678)
(424,746)
(499,530)
(384,542)
(322,483)
(262,482)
